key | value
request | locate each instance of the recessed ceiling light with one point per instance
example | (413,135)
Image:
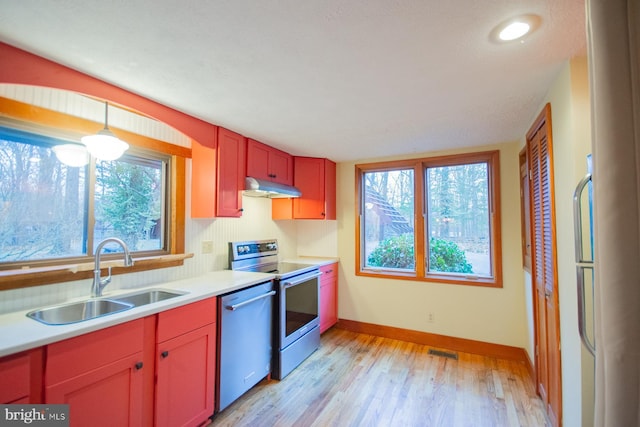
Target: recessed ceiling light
(513,31)
(515,28)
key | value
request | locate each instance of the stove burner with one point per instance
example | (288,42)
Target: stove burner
(283,268)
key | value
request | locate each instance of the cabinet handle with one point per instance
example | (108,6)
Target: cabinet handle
(328,271)
(138,366)
(241,210)
(323,214)
(164,354)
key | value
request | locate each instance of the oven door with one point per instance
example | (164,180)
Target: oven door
(299,306)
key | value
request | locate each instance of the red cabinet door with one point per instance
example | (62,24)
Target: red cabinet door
(185,368)
(22,377)
(309,178)
(328,296)
(258,160)
(203,180)
(316,179)
(110,395)
(268,163)
(281,167)
(329,189)
(231,173)
(100,375)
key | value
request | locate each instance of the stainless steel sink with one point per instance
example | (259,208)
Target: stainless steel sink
(65,314)
(149,296)
(77,312)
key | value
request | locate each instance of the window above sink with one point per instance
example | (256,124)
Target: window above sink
(91,196)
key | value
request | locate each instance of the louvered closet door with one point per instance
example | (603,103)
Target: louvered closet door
(547,319)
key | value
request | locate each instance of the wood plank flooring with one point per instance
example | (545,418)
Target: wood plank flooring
(362,380)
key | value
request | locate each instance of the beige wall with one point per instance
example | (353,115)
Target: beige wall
(571,130)
(485,314)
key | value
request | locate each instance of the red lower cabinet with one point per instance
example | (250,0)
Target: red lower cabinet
(100,376)
(107,396)
(21,376)
(328,296)
(154,371)
(186,365)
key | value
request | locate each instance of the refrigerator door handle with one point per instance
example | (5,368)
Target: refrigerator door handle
(581,264)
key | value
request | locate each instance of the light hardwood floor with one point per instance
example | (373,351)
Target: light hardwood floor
(362,380)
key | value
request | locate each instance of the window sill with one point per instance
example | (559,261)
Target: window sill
(432,278)
(13,279)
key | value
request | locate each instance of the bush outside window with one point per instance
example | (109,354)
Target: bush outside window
(433,219)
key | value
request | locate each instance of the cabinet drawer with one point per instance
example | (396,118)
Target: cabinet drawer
(14,371)
(68,358)
(175,322)
(329,272)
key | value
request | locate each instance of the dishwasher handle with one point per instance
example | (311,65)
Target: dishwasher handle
(249,301)
(301,279)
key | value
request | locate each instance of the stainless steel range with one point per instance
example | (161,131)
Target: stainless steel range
(296,316)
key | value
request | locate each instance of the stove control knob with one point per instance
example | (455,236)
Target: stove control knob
(240,249)
(272,246)
(247,249)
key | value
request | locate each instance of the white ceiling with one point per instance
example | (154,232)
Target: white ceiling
(347,80)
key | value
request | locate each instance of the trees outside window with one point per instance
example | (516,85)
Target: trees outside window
(50,211)
(433,219)
(388,218)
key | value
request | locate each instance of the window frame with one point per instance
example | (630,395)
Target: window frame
(420,165)
(34,119)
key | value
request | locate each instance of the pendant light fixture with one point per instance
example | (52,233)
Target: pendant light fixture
(105,145)
(74,155)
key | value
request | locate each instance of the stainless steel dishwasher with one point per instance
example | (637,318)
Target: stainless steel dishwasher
(244,341)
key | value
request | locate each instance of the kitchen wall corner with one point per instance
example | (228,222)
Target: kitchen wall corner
(317,238)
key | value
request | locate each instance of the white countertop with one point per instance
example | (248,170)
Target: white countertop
(319,261)
(19,333)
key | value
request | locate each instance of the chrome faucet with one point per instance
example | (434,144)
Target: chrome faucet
(98,283)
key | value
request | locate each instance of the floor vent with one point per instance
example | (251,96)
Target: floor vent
(441,353)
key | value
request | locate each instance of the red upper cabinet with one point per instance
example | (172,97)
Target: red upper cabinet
(217,175)
(231,172)
(316,179)
(203,179)
(268,163)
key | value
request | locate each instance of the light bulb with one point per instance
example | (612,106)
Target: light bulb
(105,145)
(74,155)
(514,31)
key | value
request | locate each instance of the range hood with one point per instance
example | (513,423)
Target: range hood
(255,187)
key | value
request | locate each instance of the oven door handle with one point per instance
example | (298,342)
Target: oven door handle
(249,301)
(301,279)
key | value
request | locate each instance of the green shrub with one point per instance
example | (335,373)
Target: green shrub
(397,252)
(447,257)
(394,252)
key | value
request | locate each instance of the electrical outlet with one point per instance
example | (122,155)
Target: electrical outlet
(431,318)
(207,246)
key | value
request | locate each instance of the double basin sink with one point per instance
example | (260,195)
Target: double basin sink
(65,314)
